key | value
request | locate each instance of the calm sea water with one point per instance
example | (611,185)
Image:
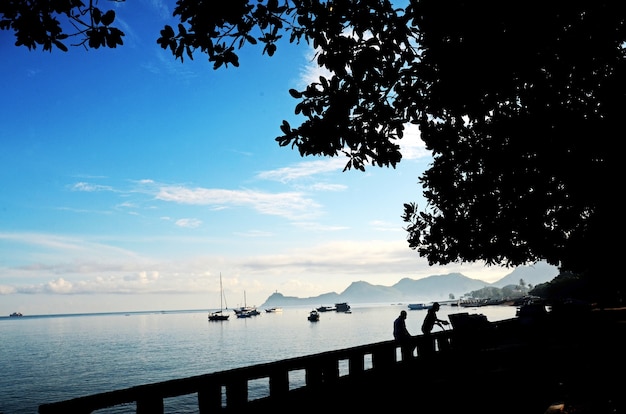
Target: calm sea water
(52,358)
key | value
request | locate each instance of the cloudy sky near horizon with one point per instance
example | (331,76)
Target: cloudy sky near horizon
(130,181)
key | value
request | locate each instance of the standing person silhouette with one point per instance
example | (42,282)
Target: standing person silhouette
(431,319)
(399,327)
(402,335)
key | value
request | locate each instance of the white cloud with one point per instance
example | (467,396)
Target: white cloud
(66,244)
(306,271)
(126,204)
(304,170)
(189,223)
(411,145)
(311,72)
(59,285)
(7,290)
(379,225)
(255,233)
(291,205)
(83,186)
(327,187)
(143,277)
(317,227)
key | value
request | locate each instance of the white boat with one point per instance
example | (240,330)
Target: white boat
(219,315)
(314,316)
(273,309)
(419,306)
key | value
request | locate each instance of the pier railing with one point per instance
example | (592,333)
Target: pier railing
(584,353)
(228,391)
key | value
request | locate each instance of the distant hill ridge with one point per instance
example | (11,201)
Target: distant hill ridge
(431,288)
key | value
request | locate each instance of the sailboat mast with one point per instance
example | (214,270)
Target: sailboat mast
(221,292)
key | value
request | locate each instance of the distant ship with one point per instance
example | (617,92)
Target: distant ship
(339,307)
(419,306)
(342,307)
(16,314)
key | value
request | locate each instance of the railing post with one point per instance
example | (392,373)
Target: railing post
(384,357)
(150,405)
(279,383)
(443,342)
(237,393)
(406,349)
(425,345)
(330,370)
(210,398)
(313,376)
(356,364)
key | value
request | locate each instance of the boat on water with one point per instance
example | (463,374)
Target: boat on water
(326,308)
(245,310)
(219,315)
(16,314)
(419,306)
(273,309)
(314,316)
(472,303)
(342,307)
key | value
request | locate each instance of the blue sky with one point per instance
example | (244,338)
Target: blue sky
(130,181)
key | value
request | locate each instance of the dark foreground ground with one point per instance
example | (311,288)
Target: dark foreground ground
(571,361)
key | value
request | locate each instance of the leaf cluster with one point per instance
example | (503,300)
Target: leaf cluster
(46,23)
(364,45)
(218,29)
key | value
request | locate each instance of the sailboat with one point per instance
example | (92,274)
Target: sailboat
(219,315)
(246,311)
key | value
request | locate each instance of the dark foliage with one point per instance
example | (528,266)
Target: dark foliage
(522,108)
(45,22)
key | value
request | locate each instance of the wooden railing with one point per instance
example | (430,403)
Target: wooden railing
(582,351)
(228,391)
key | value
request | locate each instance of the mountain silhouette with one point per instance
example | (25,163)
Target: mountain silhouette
(428,289)
(535,274)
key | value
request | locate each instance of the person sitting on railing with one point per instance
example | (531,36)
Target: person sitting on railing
(431,319)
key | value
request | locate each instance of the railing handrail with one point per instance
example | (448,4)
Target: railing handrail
(319,368)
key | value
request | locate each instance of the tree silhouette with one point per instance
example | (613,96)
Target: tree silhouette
(519,103)
(522,107)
